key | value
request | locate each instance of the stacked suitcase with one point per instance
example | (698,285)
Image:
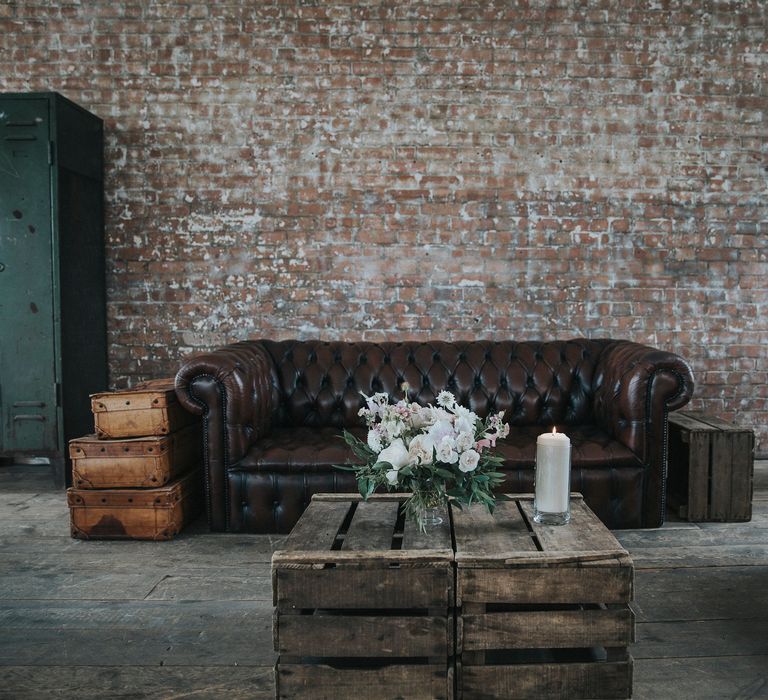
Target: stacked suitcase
(139,476)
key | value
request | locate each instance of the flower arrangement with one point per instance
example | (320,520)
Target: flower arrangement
(433,452)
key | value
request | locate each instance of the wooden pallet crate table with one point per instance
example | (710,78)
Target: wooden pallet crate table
(542,611)
(363,603)
(711,464)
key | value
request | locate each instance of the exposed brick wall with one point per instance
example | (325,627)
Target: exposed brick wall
(449,169)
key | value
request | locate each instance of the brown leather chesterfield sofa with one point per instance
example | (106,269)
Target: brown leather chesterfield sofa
(274,411)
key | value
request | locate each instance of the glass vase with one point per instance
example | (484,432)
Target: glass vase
(429,516)
(429,512)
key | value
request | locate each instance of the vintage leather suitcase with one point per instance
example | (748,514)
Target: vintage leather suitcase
(143,462)
(150,408)
(141,514)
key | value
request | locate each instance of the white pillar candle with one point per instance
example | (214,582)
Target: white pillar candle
(553,472)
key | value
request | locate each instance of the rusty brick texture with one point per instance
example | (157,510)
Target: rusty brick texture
(377,169)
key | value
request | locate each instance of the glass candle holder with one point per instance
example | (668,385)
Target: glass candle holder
(552,485)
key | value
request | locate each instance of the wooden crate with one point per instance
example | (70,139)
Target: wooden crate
(144,462)
(711,466)
(543,611)
(363,604)
(151,408)
(140,514)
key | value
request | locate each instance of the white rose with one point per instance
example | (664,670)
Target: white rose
(374,440)
(420,449)
(465,441)
(392,476)
(445,451)
(468,461)
(395,454)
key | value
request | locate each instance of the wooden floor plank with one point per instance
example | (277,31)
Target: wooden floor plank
(107,646)
(120,614)
(201,606)
(691,638)
(746,533)
(760,481)
(247,585)
(157,583)
(702,678)
(700,593)
(696,557)
(143,681)
(131,555)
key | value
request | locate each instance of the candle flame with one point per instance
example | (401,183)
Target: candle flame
(554,430)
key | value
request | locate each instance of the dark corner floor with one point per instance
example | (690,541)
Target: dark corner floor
(193,617)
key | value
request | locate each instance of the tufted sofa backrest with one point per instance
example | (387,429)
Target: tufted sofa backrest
(318,383)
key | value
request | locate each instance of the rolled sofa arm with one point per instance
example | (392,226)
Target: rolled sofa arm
(232,389)
(636,387)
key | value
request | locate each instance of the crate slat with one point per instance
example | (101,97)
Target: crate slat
(539,629)
(585,532)
(322,682)
(372,527)
(365,635)
(560,585)
(720,479)
(438,536)
(557,680)
(480,535)
(742,483)
(347,588)
(698,475)
(317,531)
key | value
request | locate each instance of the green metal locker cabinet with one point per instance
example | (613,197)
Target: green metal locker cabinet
(52,292)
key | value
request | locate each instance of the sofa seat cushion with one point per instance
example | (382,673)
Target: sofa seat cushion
(299,448)
(286,450)
(270,487)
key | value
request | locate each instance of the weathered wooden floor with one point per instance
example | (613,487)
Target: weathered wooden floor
(192,618)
